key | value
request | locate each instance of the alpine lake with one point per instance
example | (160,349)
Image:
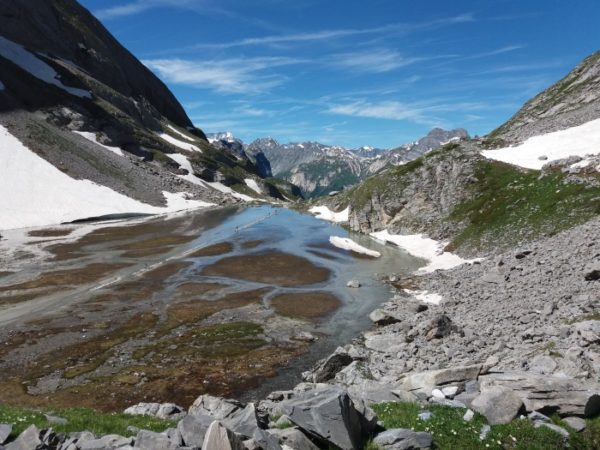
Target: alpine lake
(234,302)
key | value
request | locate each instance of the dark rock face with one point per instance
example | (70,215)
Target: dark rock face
(64,29)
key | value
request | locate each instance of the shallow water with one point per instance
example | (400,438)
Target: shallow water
(152,259)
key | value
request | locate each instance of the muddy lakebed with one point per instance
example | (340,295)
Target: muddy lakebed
(231,301)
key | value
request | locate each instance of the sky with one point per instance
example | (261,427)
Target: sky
(347,72)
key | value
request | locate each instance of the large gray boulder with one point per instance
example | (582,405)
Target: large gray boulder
(294,438)
(403,439)
(5,431)
(426,382)
(328,415)
(220,438)
(110,441)
(499,405)
(548,394)
(149,440)
(192,429)
(27,440)
(168,411)
(234,415)
(265,440)
(327,368)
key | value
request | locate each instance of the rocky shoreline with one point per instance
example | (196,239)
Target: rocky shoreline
(514,335)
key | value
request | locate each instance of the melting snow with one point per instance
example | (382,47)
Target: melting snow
(184,162)
(324,213)
(35,66)
(426,248)
(177,143)
(425,296)
(252,184)
(92,137)
(227,190)
(185,136)
(349,244)
(48,196)
(579,141)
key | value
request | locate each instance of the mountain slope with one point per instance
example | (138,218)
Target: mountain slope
(471,197)
(572,101)
(71,94)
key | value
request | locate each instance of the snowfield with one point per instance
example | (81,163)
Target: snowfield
(576,141)
(324,213)
(177,143)
(349,244)
(92,137)
(184,162)
(426,248)
(40,194)
(425,296)
(252,184)
(227,190)
(35,66)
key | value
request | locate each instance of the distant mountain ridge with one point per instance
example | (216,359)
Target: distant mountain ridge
(318,169)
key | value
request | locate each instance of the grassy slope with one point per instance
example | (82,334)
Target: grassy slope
(451,432)
(510,204)
(80,419)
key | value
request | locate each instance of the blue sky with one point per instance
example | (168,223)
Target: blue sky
(349,72)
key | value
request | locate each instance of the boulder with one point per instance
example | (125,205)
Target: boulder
(560,430)
(543,364)
(110,441)
(327,368)
(548,394)
(382,317)
(403,439)
(265,440)
(499,405)
(294,438)
(5,431)
(220,438)
(426,382)
(439,327)
(234,415)
(577,423)
(27,440)
(149,440)
(193,428)
(327,414)
(167,411)
(588,332)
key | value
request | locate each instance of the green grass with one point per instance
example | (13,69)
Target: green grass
(509,204)
(451,432)
(80,419)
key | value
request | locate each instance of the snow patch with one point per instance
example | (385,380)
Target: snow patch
(36,67)
(324,213)
(184,162)
(177,143)
(227,190)
(426,248)
(185,136)
(92,137)
(576,141)
(252,184)
(47,196)
(349,244)
(425,296)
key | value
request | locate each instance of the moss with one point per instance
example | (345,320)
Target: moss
(507,204)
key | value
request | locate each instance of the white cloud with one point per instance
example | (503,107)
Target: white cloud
(228,76)
(391,110)
(376,61)
(139,6)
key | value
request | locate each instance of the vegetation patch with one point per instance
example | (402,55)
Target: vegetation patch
(80,419)
(510,204)
(451,432)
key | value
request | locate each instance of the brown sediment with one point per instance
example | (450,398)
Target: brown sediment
(306,305)
(67,277)
(51,232)
(251,244)
(153,246)
(194,289)
(221,248)
(193,311)
(5,273)
(276,268)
